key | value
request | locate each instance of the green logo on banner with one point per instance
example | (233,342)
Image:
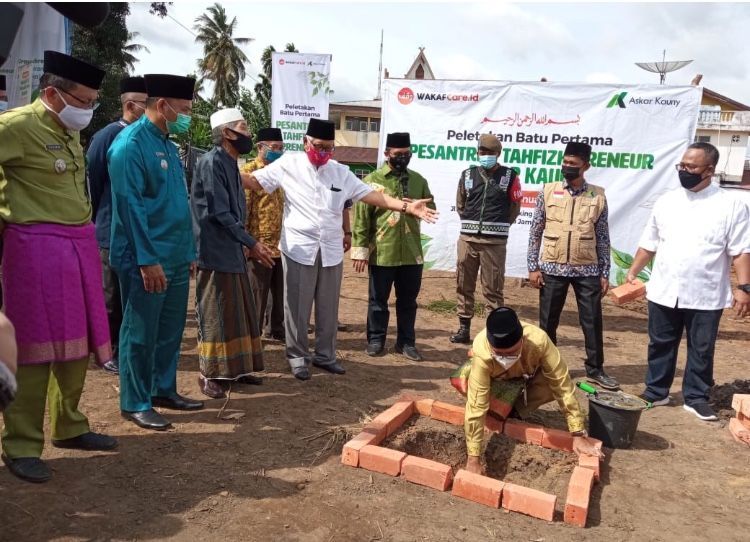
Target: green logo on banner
(618,100)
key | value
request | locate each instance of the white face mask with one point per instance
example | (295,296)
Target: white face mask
(506,361)
(73,118)
(3,105)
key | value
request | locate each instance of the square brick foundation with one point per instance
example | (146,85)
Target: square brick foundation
(363,451)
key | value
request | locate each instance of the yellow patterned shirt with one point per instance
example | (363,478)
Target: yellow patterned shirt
(265,212)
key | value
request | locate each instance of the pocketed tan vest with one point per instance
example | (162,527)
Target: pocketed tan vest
(569,236)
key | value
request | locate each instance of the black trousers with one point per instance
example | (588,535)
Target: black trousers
(665,327)
(407,280)
(588,292)
(268,283)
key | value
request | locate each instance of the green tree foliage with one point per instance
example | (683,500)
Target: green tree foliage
(223,60)
(106,47)
(256,105)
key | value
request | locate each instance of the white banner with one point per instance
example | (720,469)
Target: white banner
(638,133)
(300,91)
(42,28)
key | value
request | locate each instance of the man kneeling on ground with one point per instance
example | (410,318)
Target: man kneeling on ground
(509,349)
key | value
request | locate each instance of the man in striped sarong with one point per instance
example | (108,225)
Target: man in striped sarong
(229,345)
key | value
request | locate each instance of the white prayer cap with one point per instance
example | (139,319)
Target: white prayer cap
(225,116)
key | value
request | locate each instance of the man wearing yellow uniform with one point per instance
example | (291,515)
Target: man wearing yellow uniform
(264,215)
(509,349)
(52,276)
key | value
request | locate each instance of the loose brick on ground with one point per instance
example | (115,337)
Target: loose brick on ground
(426,472)
(741,403)
(424,406)
(480,489)
(392,418)
(557,440)
(529,501)
(350,451)
(383,460)
(447,412)
(493,424)
(739,431)
(579,494)
(628,292)
(525,432)
(590,462)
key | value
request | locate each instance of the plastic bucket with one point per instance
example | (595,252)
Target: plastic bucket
(613,418)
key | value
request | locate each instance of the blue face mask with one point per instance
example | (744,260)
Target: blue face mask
(488,161)
(179,126)
(272,156)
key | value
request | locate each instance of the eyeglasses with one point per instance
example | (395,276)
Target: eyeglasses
(682,166)
(87,104)
(401,155)
(274,147)
(321,146)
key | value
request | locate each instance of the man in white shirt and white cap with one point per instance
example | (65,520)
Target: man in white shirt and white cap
(694,232)
(229,346)
(312,246)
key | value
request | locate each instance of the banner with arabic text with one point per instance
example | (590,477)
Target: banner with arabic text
(638,133)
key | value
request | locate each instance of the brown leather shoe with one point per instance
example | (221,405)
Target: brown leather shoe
(214,389)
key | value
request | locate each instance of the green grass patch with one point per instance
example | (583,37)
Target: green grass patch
(445,306)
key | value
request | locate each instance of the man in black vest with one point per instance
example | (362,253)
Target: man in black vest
(488,202)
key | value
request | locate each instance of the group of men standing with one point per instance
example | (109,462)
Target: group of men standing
(280,227)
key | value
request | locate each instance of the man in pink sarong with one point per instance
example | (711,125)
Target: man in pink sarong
(51,270)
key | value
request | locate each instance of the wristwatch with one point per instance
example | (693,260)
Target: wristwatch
(744,287)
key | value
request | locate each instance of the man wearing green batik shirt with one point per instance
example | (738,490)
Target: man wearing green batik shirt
(389,242)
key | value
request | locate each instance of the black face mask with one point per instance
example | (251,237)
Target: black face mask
(399,163)
(689,180)
(571,173)
(243,144)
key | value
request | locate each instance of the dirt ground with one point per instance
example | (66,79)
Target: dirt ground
(267,466)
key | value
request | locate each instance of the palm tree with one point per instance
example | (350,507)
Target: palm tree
(223,61)
(129,51)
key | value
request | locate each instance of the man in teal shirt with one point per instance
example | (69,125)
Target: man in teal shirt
(152,250)
(390,242)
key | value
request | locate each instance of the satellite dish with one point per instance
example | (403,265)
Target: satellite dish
(663,67)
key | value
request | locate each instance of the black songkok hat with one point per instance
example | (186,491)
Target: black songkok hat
(160,85)
(581,150)
(72,69)
(398,140)
(2,82)
(503,328)
(132,84)
(321,129)
(269,134)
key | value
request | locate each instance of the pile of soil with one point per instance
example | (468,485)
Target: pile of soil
(504,458)
(721,397)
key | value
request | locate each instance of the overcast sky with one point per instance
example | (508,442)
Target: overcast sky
(564,42)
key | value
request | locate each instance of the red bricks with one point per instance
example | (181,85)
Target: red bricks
(579,492)
(557,440)
(427,473)
(424,406)
(590,462)
(529,501)
(493,424)
(739,432)
(628,292)
(744,420)
(392,418)
(478,488)
(741,403)
(525,432)
(446,412)
(350,452)
(383,460)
